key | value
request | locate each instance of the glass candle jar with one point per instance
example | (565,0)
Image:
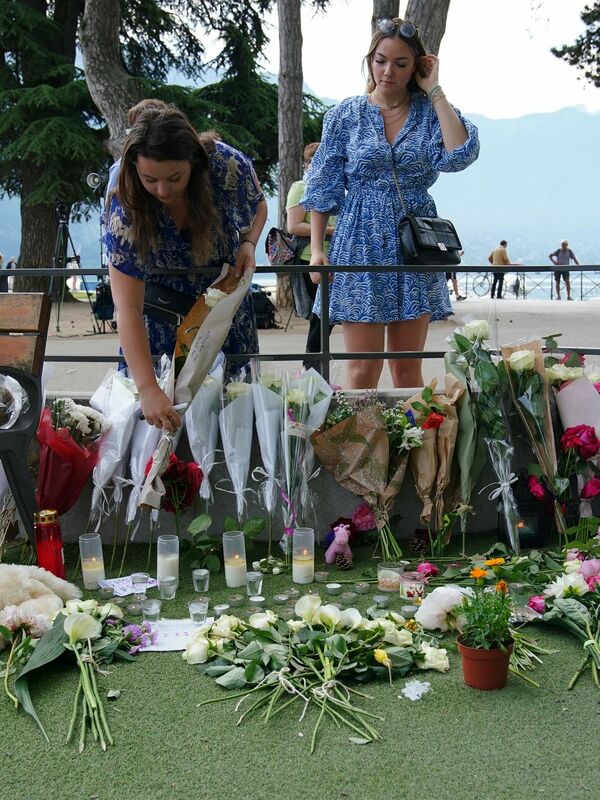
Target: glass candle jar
(303,555)
(167,556)
(388,576)
(48,542)
(234,557)
(412,585)
(92,561)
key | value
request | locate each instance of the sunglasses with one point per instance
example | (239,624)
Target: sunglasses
(390,28)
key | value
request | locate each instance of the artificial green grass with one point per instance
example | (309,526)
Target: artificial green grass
(456,742)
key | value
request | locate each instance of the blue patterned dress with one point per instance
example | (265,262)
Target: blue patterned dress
(236,196)
(351,175)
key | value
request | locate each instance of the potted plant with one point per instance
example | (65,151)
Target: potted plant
(485,643)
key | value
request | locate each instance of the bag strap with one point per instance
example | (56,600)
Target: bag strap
(397,182)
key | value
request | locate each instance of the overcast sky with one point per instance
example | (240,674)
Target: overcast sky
(495,56)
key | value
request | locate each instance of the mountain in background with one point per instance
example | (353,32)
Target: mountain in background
(536,182)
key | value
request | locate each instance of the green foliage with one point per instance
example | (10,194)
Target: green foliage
(585,53)
(207,552)
(486,616)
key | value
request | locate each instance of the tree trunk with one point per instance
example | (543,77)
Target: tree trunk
(112,89)
(430,18)
(384,9)
(289,115)
(38,234)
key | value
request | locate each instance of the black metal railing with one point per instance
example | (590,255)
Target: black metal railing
(326,356)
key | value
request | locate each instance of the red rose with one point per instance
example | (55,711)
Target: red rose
(536,487)
(581,438)
(434,420)
(182,480)
(591,488)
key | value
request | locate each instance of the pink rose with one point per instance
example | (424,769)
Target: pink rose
(593,582)
(573,554)
(536,487)
(428,569)
(537,603)
(363,518)
(591,488)
(590,567)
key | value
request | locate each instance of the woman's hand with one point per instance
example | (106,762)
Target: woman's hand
(318,259)
(158,409)
(428,70)
(245,257)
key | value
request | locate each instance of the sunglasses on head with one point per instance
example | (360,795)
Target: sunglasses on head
(390,28)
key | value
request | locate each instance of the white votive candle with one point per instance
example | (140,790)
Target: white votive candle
(235,571)
(167,564)
(303,567)
(92,571)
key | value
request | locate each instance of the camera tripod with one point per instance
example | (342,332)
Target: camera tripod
(64,255)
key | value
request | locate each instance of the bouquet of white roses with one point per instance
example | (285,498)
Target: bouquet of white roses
(235,424)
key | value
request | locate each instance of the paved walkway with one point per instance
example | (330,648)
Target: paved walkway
(510,320)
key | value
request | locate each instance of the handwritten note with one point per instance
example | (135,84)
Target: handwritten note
(122,586)
(173,634)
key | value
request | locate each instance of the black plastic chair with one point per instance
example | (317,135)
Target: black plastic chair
(21,357)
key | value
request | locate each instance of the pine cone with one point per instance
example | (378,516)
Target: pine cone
(342,562)
(418,545)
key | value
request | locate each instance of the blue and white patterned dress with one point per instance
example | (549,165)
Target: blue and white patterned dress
(236,196)
(351,175)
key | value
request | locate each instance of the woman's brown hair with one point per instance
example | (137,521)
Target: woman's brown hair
(166,134)
(415,44)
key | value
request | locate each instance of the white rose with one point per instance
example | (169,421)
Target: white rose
(237,389)
(594,377)
(76,606)
(399,637)
(263,620)
(196,651)
(80,626)
(350,618)
(296,397)
(296,625)
(521,360)
(256,565)
(276,570)
(329,615)
(270,381)
(110,610)
(435,658)
(559,373)
(477,329)
(437,608)
(369,625)
(307,608)
(221,629)
(212,296)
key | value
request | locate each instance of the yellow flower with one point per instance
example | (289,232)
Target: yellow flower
(479,573)
(494,562)
(502,586)
(411,625)
(382,657)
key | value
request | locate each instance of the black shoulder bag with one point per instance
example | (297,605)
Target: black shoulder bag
(165,304)
(427,240)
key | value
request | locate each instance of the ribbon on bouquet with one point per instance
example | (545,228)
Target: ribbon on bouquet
(233,491)
(266,480)
(204,494)
(501,486)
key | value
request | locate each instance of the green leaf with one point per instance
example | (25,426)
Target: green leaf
(6,633)
(200,523)
(254,673)
(49,648)
(252,652)
(230,524)
(252,527)
(212,562)
(573,610)
(235,678)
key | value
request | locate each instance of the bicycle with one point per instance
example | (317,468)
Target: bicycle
(481,284)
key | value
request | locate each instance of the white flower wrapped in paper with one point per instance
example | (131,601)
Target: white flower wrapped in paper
(522,360)
(440,609)
(559,373)
(477,329)
(235,424)
(268,412)
(212,296)
(202,420)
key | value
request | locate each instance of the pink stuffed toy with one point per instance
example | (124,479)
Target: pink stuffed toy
(339,546)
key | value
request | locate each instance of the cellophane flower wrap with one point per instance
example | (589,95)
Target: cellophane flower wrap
(13,401)
(69,437)
(235,424)
(297,394)
(357,452)
(267,389)
(319,398)
(489,384)
(524,364)
(202,422)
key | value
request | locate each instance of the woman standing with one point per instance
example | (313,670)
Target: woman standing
(393,140)
(179,204)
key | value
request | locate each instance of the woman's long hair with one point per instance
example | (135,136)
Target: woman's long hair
(415,44)
(167,135)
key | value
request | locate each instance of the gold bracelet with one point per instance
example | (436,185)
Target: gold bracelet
(248,241)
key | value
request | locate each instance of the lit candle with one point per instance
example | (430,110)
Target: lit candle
(167,564)
(303,567)
(235,571)
(92,571)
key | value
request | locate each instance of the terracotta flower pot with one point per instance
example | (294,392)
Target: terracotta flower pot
(485,669)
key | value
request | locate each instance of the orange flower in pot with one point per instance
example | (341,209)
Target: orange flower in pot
(485,643)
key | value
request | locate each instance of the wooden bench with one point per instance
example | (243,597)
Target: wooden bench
(24,320)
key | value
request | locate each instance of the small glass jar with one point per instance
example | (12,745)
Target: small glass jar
(167,587)
(412,585)
(348,598)
(321,576)
(388,576)
(151,610)
(221,608)
(333,588)
(236,600)
(360,587)
(258,601)
(254,583)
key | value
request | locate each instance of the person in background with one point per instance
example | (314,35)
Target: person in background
(11,264)
(380,153)
(451,276)
(499,258)
(305,291)
(179,204)
(3,278)
(562,258)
